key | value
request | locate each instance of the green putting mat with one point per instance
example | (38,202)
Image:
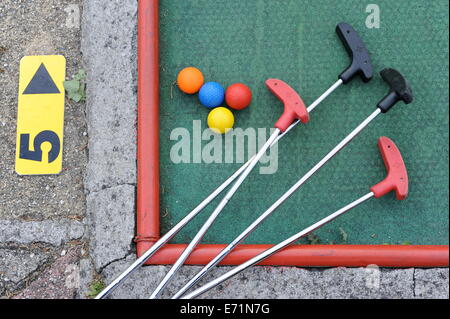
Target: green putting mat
(250,41)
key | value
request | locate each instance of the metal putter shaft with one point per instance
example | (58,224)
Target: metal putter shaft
(360,65)
(294,109)
(396,180)
(401,90)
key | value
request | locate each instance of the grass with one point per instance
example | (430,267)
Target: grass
(96,286)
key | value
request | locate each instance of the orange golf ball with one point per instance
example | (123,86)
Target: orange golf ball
(190,80)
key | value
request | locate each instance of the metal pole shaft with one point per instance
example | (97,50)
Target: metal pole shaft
(267,253)
(171,233)
(198,237)
(274,206)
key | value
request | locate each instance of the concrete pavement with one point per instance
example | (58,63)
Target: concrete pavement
(41,217)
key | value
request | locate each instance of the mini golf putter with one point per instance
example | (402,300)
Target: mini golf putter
(396,180)
(361,63)
(398,90)
(397,176)
(356,51)
(294,109)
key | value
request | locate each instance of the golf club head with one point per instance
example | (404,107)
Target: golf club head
(361,63)
(397,175)
(294,107)
(399,89)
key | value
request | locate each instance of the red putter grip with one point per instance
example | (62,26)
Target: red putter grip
(294,108)
(397,176)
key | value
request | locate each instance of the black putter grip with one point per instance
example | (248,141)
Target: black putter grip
(361,63)
(399,89)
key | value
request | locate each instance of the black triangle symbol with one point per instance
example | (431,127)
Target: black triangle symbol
(41,83)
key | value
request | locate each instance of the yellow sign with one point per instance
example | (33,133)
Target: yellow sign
(40,115)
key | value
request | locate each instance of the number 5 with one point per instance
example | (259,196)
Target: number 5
(36,155)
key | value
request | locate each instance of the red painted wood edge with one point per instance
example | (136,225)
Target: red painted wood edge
(316,255)
(148,126)
(148,190)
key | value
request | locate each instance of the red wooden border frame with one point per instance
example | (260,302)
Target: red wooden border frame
(148,190)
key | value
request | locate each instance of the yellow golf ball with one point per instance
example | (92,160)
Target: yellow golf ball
(220,120)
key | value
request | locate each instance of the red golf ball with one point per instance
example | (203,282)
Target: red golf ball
(238,96)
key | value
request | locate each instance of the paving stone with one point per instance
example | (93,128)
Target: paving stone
(87,275)
(54,232)
(60,281)
(271,282)
(17,264)
(297,283)
(111,218)
(139,285)
(431,283)
(109,53)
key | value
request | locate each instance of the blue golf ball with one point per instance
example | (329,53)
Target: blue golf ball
(211,94)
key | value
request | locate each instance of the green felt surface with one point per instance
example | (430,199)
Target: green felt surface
(250,41)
